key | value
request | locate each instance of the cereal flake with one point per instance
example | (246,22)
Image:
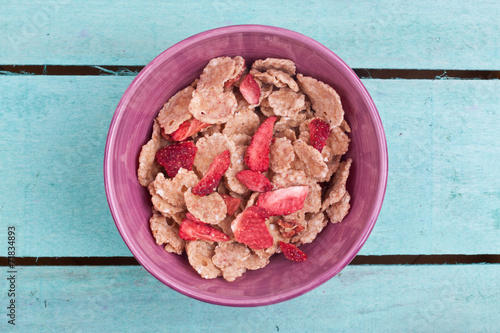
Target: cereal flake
(337,187)
(281,155)
(345,126)
(316,167)
(237,165)
(241,139)
(285,123)
(337,211)
(200,255)
(338,141)
(284,65)
(314,226)
(211,103)
(285,133)
(286,102)
(325,100)
(161,204)
(209,209)
(229,258)
(176,110)
(277,78)
(172,189)
(148,166)
(165,233)
(244,122)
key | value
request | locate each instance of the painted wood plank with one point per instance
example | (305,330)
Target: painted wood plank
(443,193)
(52,147)
(444,151)
(453,298)
(366,34)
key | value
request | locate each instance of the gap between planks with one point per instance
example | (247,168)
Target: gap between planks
(359,260)
(363,73)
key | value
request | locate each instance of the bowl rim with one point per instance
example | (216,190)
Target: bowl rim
(111,195)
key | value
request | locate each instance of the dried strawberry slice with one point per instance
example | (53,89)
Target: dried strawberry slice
(250,228)
(176,156)
(232,81)
(319,131)
(165,135)
(257,154)
(191,217)
(292,252)
(291,225)
(289,228)
(254,181)
(286,224)
(287,233)
(192,230)
(212,177)
(188,128)
(232,203)
(283,201)
(250,89)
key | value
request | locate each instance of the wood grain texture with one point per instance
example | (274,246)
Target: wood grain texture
(52,147)
(366,34)
(443,193)
(359,299)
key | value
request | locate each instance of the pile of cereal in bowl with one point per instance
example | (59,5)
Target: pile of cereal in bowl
(245,163)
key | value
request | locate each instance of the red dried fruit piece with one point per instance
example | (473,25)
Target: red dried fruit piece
(299,228)
(191,217)
(287,233)
(289,228)
(232,81)
(286,224)
(250,89)
(292,252)
(165,135)
(212,177)
(257,154)
(250,228)
(192,230)
(188,128)
(319,131)
(176,156)
(283,201)
(291,225)
(254,181)
(232,203)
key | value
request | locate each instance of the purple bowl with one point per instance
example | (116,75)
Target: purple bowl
(176,68)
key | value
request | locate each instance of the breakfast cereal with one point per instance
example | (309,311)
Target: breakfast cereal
(244,163)
(281,155)
(200,254)
(172,189)
(148,166)
(337,211)
(165,233)
(210,102)
(277,78)
(287,103)
(324,100)
(337,187)
(175,111)
(285,65)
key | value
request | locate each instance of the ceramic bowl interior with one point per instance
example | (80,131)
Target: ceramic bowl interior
(176,68)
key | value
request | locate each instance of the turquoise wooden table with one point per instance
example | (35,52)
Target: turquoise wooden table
(432,262)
